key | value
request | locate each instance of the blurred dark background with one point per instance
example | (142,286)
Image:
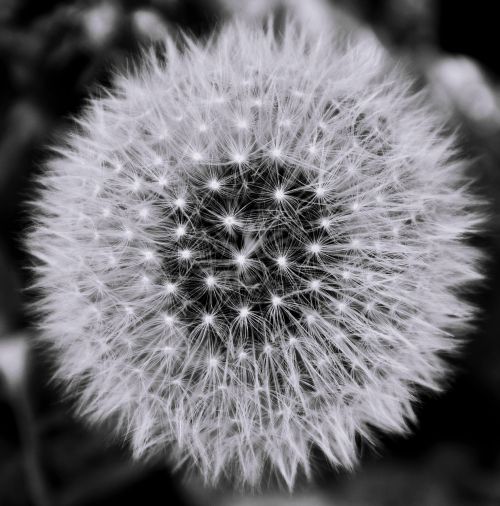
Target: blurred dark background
(53,55)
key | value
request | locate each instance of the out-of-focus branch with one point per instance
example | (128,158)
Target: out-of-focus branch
(14,356)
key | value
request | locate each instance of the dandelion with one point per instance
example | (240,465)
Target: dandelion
(301,279)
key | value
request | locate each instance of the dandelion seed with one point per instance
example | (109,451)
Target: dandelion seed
(325,223)
(320,191)
(276,153)
(242,124)
(211,281)
(346,274)
(315,284)
(208,319)
(276,301)
(136,185)
(214,184)
(170,288)
(169,320)
(311,318)
(279,194)
(241,259)
(282,261)
(238,158)
(180,231)
(314,248)
(244,312)
(180,202)
(355,243)
(148,255)
(129,235)
(185,254)
(230,221)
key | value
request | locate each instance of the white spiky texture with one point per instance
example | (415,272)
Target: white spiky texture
(252,248)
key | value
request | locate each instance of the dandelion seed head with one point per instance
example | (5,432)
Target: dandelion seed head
(275,283)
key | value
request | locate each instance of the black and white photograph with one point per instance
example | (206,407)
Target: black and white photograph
(249,253)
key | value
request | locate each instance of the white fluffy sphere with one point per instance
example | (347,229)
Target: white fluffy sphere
(253,247)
